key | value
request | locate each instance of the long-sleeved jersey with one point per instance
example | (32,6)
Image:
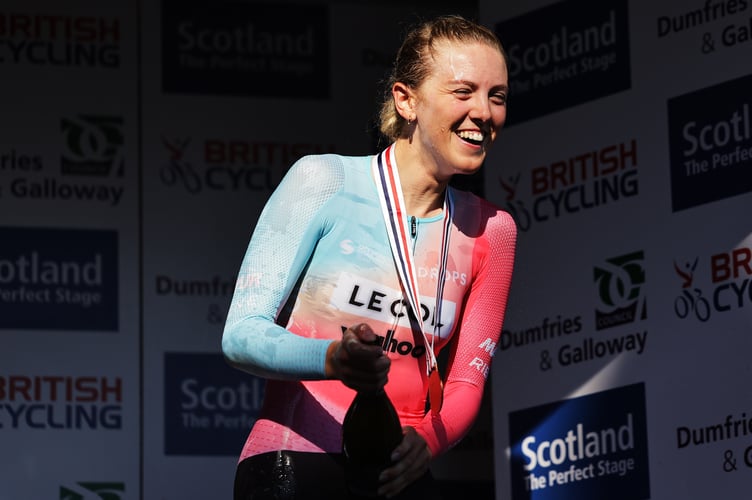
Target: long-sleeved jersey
(319,261)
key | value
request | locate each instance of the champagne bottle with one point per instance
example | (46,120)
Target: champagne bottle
(371,431)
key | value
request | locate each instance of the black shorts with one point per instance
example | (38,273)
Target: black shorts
(291,475)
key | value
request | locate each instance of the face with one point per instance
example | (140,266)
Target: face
(461,106)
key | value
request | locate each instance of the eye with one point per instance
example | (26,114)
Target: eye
(463,93)
(499,98)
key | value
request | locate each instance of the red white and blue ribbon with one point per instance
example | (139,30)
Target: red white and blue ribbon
(384,167)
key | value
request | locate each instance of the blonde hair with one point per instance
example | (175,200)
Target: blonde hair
(413,62)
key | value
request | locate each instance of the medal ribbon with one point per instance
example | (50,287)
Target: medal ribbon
(393,209)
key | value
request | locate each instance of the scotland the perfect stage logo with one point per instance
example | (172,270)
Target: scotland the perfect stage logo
(209,406)
(560,56)
(590,447)
(251,49)
(58,279)
(711,146)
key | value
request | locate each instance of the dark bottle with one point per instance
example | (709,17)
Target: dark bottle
(370,433)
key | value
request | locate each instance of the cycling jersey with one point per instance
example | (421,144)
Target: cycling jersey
(319,261)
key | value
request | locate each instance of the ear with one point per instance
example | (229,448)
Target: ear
(404,101)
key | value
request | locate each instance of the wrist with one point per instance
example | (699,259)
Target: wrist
(330,371)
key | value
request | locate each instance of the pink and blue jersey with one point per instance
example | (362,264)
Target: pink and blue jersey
(320,261)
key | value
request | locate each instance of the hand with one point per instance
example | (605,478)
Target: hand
(411,459)
(357,361)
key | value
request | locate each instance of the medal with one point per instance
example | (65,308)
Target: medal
(384,169)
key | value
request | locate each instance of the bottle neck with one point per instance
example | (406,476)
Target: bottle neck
(377,393)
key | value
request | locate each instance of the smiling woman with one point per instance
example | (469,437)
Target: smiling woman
(446,85)
(462,103)
(364,268)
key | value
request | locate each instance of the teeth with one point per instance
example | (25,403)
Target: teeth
(473,136)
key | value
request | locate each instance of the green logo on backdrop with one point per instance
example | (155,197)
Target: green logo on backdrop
(92,490)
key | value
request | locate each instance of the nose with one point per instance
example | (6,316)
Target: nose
(481,109)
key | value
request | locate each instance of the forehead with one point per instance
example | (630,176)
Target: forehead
(468,61)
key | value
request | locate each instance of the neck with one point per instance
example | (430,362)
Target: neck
(422,189)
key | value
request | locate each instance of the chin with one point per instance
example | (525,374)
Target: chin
(467,169)
(470,164)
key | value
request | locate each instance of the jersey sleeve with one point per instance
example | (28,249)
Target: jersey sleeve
(285,236)
(475,343)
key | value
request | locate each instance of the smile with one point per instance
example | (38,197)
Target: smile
(473,137)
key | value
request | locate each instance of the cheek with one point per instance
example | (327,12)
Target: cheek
(500,117)
(443,129)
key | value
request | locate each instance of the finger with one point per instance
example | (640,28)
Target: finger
(362,366)
(412,458)
(364,380)
(408,442)
(404,476)
(362,375)
(357,348)
(365,333)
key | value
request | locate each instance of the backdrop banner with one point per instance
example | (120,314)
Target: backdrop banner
(627,164)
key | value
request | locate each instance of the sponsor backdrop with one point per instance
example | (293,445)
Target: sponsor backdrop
(69,250)
(141,140)
(623,368)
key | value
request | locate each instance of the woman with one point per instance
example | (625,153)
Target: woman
(347,247)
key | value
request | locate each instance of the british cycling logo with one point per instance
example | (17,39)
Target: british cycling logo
(730,285)
(59,403)
(52,39)
(566,186)
(224,165)
(691,300)
(178,170)
(90,490)
(515,206)
(619,283)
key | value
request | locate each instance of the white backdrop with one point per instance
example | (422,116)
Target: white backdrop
(69,315)
(140,142)
(627,162)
